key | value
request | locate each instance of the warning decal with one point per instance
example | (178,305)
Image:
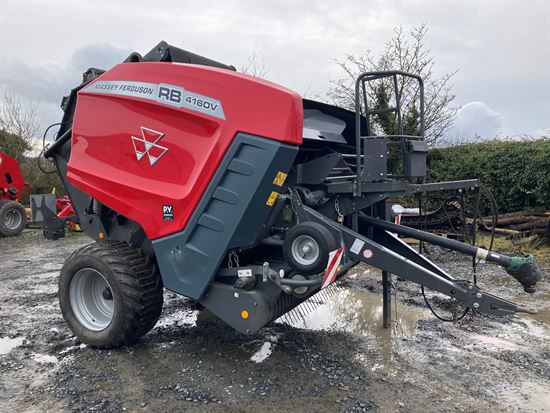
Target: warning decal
(272,198)
(334,258)
(280,178)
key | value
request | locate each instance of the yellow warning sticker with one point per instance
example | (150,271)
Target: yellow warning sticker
(280,178)
(272,198)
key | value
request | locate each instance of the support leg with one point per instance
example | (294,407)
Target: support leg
(386,299)
(384,212)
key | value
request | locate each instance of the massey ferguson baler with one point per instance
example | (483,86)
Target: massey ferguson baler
(237,193)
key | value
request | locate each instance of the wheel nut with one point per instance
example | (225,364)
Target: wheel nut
(476,305)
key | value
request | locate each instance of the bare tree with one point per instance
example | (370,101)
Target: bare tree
(18,125)
(256,65)
(18,119)
(408,54)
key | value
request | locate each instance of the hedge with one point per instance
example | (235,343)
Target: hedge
(517,172)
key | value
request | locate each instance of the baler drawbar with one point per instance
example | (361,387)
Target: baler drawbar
(239,194)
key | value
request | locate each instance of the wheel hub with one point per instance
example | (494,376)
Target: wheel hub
(107,294)
(305,250)
(12,219)
(92,299)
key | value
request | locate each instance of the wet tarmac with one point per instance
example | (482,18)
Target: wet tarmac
(330,354)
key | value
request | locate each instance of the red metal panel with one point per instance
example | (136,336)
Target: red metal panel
(110,165)
(10,177)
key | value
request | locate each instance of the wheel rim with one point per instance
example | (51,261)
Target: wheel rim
(305,250)
(91,299)
(13,219)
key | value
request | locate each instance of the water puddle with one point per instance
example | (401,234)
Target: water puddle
(528,396)
(44,358)
(8,344)
(263,353)
(359,312)
(491,342)
(353,311)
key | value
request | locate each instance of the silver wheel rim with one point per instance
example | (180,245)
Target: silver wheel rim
(13,219)
(91,299)
(305,250)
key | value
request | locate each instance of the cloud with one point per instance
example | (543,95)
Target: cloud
(477,119)
(46,82)
(298,42)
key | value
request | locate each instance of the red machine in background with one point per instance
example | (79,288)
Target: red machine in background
(13,216)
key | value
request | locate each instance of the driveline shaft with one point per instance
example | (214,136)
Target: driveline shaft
(523,269)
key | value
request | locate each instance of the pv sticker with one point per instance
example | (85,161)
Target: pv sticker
(167,212)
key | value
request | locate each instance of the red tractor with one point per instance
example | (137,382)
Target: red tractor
(13,217)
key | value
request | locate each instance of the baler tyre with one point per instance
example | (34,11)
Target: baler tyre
(110,294)
(306,247)
(13,218)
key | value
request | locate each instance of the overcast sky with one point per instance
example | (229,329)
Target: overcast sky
(501,48)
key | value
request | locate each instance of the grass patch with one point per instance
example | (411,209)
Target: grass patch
(538,247)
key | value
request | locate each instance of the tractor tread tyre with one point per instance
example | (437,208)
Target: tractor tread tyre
(324,238)
(136,288)
(5,208)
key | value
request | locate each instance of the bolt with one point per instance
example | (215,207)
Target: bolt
(470,287)
(478,295)
(476,305)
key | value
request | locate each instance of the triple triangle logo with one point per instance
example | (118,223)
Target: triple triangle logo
(147,145)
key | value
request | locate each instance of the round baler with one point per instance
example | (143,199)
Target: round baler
(236,193)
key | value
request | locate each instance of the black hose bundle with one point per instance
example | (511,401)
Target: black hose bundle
(494,221)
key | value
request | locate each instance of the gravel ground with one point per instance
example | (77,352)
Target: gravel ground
(327,356)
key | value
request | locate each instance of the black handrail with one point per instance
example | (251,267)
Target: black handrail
(360,86)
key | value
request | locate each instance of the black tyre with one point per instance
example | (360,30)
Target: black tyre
(110,294)
(13,218)
(306,247)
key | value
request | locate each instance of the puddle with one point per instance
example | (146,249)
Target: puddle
(8,344)
(528,396)
(494,342)
(359,312)
(44,358)
(531,301)
(353,311)
(263,353)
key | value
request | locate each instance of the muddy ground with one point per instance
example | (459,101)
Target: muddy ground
(328,356)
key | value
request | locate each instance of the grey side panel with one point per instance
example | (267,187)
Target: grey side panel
(227,302)
(231,214)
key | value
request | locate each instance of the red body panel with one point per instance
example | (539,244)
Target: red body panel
(104,161)
(10,177)
(64,207)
